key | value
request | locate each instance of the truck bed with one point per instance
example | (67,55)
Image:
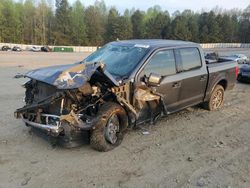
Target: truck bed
(221,71)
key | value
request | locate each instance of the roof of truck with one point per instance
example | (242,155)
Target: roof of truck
(156,43)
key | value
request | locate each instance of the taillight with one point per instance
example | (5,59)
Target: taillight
(236,71)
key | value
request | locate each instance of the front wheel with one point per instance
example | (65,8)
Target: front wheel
(109,131)
(216,99)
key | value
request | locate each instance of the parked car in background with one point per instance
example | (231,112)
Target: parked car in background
(34,49)
(244,73)
(240,58)
(17,49)
(213,57)
(6,48)
(46,49)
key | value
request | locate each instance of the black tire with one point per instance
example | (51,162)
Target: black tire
(72,138)
(216,99)
(98,137)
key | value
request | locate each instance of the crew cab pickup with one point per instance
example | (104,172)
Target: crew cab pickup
(123,84)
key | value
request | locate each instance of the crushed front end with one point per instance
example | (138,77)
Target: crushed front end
(65,106)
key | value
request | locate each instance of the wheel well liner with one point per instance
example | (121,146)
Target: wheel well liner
(223,83)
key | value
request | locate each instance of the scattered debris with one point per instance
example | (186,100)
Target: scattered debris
(25,181)
(228,104)
(34,162)
(189,159)
(201,182)
(4,141)
(213,159)
(219,144)
(19,75)
(145,133)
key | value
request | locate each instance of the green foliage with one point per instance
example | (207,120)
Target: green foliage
(125,28)
(244,28)
(78,26)
(1,21)
(9,21)
(137,20)
(112,29)
(62,23)
(94,25)
(41,21)
(158,25)
(29,22)
(118,27)
(180,28)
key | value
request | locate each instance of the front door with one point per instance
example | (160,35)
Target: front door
(163,63)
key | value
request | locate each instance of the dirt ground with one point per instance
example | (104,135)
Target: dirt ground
(192,148)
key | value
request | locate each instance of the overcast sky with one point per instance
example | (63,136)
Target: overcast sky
(172,5)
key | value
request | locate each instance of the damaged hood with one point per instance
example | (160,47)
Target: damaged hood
(69,76)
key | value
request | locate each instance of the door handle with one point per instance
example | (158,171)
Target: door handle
(203,78)
(176,85)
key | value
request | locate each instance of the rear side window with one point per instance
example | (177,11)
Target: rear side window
(163,63)
(190,58)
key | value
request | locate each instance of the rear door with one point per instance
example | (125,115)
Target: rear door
(194,76)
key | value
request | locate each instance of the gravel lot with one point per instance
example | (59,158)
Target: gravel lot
(192,148)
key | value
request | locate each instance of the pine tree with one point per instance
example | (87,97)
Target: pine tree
(158,26)
(36,22)
(78,27)
(137,24)
(112,30)
(244,26)
(180,28)
(62,23)
(1,21)
(29,22)
(94,27)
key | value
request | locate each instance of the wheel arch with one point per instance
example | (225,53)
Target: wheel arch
(97,136)
(223,83)
(219,81)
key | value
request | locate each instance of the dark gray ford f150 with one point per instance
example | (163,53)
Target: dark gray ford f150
(123,84)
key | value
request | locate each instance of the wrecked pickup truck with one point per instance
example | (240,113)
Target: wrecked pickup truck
(123,84)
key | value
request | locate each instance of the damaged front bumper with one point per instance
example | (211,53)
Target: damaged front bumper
(54,124)
(54,129)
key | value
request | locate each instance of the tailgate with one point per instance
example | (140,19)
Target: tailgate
(224,72)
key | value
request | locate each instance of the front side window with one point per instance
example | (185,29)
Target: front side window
(162,63)
(190,58)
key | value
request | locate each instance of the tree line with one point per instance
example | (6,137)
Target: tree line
(59,23)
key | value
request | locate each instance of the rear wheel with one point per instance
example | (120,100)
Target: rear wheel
(109,131)
(216,99)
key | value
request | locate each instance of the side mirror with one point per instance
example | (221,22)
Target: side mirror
(154,79)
